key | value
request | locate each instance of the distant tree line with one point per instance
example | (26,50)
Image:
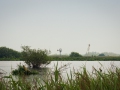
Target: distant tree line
(31,56)
(9,53)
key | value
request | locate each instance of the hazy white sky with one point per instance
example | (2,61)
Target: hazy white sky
(67,24)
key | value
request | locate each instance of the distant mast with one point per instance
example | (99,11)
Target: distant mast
(88,49)
(49,51)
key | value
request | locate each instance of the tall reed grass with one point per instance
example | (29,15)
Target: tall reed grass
(77,80)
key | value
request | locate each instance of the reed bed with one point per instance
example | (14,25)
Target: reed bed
(76,80)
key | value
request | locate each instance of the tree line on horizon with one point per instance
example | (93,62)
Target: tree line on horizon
(9,53)
(6,52)
(37,57)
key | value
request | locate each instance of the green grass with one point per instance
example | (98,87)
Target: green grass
(10,59)
(77,80)
(84,58)
(68,58)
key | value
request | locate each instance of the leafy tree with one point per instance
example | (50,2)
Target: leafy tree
(9,53)
(35,57)
(101,54)
(75,54)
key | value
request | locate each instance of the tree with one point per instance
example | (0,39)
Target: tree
(9,53)
(101,54)
(35,57)
(75,54)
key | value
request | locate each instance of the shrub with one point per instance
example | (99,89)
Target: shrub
(34,57)
(75,54)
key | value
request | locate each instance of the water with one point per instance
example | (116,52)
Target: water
(76,66)
(8,66)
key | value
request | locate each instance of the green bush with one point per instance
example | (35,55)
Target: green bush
(34,57)
(75,54)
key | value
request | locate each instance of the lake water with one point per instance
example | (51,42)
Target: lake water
(65,66)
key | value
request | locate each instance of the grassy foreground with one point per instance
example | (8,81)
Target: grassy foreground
(80,80)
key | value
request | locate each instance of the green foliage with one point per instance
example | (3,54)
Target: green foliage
(12,84)
(75,54)
(84,58)
(9,53)
(101,54)
(77,80)
(22,70)
(2,84)
(35,57)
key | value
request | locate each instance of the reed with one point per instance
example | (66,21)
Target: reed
(77,80)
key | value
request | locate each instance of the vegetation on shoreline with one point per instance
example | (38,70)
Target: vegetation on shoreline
(79,80)
(10,59)
(84,58)
(7,54)
(67,58)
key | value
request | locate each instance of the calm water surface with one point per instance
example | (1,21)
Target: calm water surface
(8,66)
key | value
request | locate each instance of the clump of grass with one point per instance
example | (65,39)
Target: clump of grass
(77,80)
(22,70)
(2,84)
(12,84)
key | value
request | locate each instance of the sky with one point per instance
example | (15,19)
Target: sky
(67,24)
